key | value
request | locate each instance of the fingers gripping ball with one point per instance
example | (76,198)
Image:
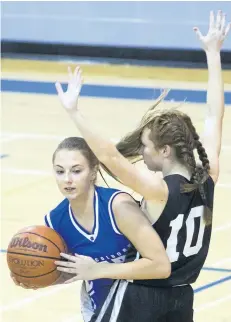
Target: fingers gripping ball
(31,255)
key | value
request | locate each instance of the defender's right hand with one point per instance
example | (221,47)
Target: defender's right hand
(69,99)
(218,31)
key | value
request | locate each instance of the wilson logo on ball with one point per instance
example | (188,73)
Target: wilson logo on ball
(26,243)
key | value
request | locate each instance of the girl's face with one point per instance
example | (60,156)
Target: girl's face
(152,158)
(73,174)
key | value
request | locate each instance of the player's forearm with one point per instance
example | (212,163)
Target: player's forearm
(215,93)
(140,269)
(102,148)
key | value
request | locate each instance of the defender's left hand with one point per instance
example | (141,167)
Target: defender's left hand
(83,267)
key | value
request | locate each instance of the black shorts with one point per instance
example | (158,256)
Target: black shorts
(128,302)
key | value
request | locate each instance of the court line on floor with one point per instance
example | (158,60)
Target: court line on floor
(26,172)
(2,156)
(222,227)
(112,80)
(8,136)
(27,300)
(214,283)
(111,91)
(74,318)
(212,304)
(221,262)
(217,269)
(19,304)
(197,309)
(47,173)
(206,268)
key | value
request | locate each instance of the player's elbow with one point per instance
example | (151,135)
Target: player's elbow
(166,269)
(164,266)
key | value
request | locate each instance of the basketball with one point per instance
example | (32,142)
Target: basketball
(31,255)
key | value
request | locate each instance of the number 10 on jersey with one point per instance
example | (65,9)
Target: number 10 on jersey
(176,225)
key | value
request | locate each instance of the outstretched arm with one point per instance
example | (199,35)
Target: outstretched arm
(212,44)
(144,182)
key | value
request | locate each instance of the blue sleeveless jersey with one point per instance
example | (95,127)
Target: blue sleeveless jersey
(104,243)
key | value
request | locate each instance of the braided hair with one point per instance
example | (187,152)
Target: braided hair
(173,128)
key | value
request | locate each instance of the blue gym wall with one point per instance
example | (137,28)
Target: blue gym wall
(133,24)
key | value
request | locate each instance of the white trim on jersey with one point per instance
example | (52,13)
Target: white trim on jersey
(86,304)
(107,301)
(118,300)
(110,212)
(118,292)
(89,236)
(49,220)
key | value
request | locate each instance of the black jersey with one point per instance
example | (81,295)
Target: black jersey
(183,232)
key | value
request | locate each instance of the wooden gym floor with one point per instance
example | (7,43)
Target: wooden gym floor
(32,126)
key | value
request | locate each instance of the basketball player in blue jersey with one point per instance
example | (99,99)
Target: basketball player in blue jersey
(179,203)
(86,221)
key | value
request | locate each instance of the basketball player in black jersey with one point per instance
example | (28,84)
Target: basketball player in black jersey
(178,203)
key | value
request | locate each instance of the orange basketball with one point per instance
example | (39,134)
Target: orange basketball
(31,255)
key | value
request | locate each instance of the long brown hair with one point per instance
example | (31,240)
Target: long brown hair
(174,128)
